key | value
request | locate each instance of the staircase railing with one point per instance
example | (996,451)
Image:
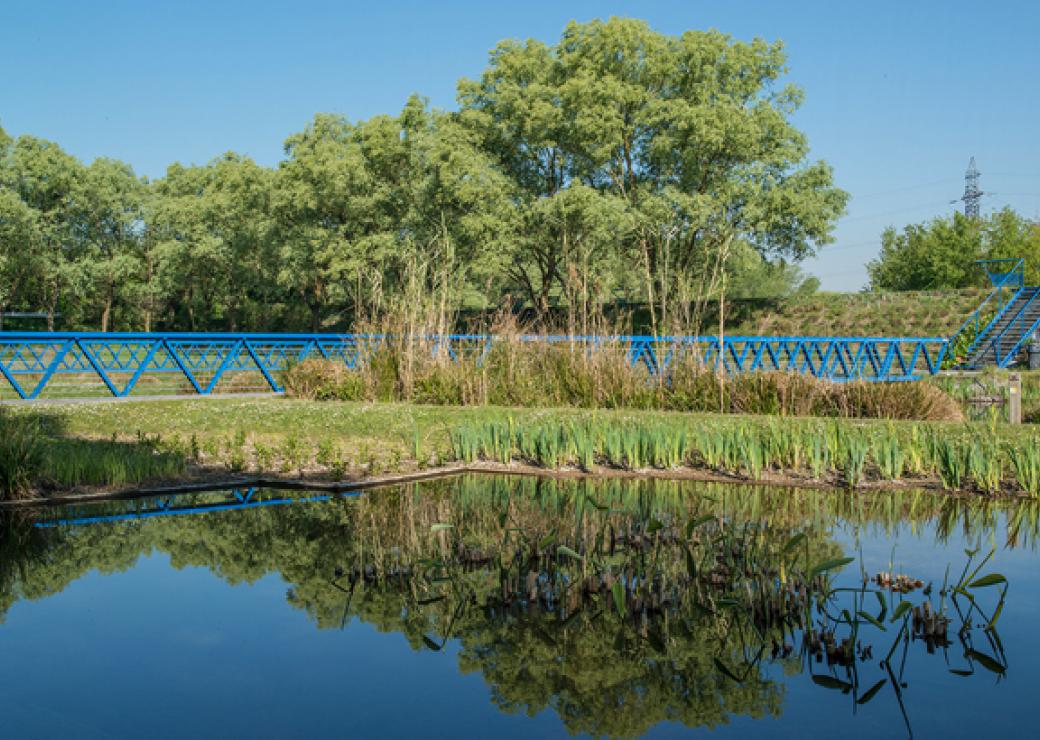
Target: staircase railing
(1011,279)
(1021,326)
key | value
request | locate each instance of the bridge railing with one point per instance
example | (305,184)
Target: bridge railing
(30,361)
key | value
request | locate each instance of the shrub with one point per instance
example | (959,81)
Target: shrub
(324,380)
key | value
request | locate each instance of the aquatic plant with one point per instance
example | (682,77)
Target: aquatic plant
(888,453)
(22,457)
(852,455)
(1025,461)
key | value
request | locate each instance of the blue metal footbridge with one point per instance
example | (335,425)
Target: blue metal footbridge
(201,362)
(204,363)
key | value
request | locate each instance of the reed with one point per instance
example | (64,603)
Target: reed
(76,462)
(526,374)
(960,458)
(22,458)
(1025,462)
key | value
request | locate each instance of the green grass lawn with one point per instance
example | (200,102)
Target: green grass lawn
(363,431)
(135,442)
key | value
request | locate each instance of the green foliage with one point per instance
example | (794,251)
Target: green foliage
(942,253)
(36,456)
(22,458)
(572,175)
(1025,461)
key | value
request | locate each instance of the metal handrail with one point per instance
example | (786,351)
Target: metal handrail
(203,359)
(1018,270)
(1002,360)
(1013,278)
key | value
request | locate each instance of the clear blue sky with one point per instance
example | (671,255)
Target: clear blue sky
(899,94)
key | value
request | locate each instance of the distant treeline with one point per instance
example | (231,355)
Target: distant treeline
(943,253)
(618,164)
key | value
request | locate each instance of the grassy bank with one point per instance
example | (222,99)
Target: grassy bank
(312,439)
(37,455)
(903,314)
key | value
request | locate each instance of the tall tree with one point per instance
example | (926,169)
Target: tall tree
(209,246)
(45,178)
(686,134)
(106,205)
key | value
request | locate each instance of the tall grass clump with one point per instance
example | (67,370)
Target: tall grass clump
(36,458)
(1025,462)
(82,462)
(22,460)
(519,373)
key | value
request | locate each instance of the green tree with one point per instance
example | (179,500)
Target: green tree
(44,178)
(208,254)
(685,135)
(942,253)
(107,203)
(21,252)
(363,208)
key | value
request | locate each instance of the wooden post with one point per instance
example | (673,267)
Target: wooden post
(1015,398)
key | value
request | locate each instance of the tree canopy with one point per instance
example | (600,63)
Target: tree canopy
(616,164)
(943,253)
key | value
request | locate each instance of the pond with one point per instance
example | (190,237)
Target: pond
(516,607)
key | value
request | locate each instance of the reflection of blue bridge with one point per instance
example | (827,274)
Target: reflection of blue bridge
(233,499)
(29,361)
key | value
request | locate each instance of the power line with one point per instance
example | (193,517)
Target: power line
(896,210)
(905,188)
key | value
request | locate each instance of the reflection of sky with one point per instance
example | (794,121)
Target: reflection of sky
(939,703)
(164,652)
(159,652)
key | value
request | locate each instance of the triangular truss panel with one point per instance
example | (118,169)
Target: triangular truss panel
(204,363)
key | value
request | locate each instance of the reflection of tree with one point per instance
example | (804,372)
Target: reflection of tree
(602,680)
(524,573)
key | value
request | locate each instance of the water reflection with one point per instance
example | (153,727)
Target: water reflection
(616,605)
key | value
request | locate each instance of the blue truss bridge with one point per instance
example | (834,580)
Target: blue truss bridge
(118,364)
(206,363)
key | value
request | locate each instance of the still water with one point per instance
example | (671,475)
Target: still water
(508,607)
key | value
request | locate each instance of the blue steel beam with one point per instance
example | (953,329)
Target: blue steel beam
(30,360)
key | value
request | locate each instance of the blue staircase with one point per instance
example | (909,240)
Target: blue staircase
(1016,316)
